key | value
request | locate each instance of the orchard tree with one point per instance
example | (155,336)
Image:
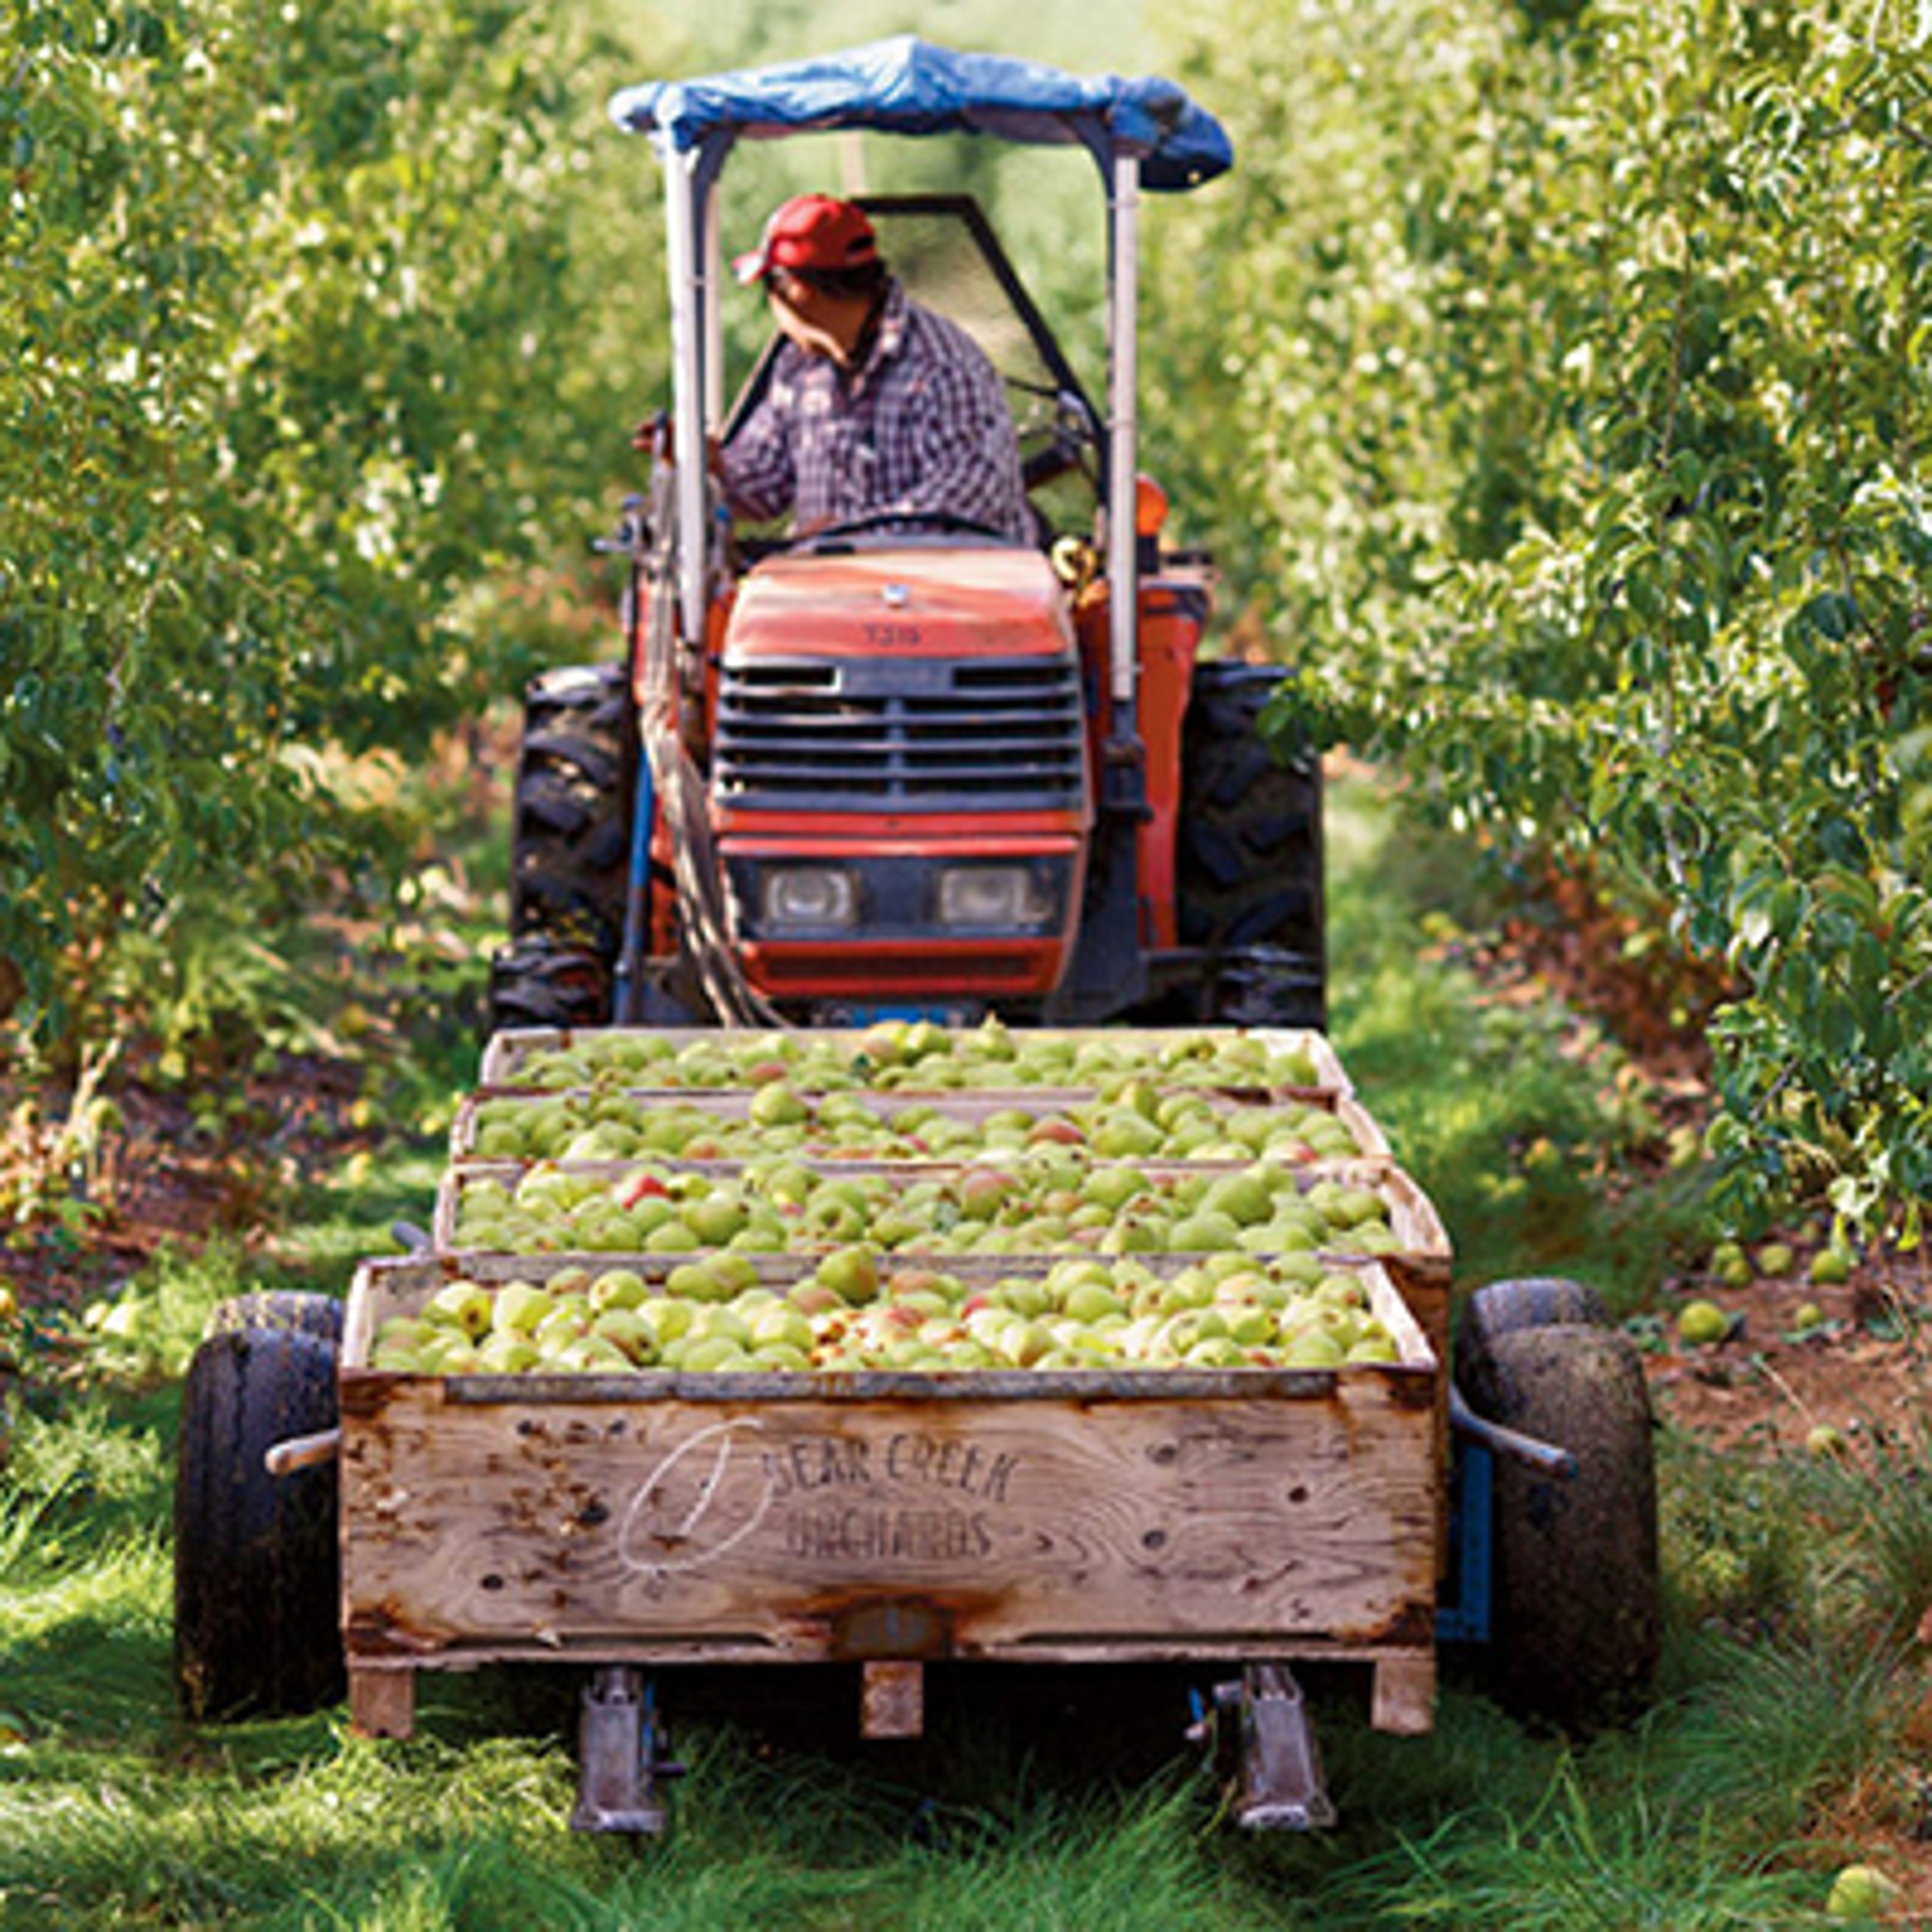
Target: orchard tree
(316,331)
(1577,361)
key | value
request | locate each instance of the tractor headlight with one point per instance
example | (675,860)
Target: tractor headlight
(816,898)
(995,898)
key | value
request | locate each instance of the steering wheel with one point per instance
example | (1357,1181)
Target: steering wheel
(880,520)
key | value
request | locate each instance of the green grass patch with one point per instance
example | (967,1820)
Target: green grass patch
(1527,1126)
(1789,1682)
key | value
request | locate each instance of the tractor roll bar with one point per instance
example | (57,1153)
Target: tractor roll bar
(1143,133)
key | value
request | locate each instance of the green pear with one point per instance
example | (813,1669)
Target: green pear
(1204,1232)
(1088,1301)
(628,1329)
(506,1353)
(618,1288)
(776,1104)
(1113,1187)
(670,1320)
(519,1306)
(852,1273)
(462,1305)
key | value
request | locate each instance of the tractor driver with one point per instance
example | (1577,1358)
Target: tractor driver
(875,407)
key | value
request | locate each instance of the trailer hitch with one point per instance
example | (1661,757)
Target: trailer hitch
(1262,1720)
(621,1763)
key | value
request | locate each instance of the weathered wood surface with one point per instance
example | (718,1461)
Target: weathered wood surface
(382,1703)
(827,1529)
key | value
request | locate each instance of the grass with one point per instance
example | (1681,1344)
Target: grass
(1784,1731)
(1529,1129)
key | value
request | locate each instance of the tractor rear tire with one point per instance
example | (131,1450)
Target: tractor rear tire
(1248,867)
(257,1567)
(570,860)
(1575,1621)
(536,982)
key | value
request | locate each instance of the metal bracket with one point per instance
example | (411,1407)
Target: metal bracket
(1462,1609)
(1545,1458)
(1281,1788)
(619,1767)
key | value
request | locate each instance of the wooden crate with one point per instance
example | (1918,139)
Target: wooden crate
(1423,1245)
(506,1053)
(1086,1516)
(732,1104)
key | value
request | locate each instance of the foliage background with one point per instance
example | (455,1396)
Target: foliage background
(316,329)
(1550,379)
(1555,377)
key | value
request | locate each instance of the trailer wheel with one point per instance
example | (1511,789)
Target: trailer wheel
(570,828)
(1248,866)
(1575,1625)
(1539,1301)
(307,1314)
(256,1565)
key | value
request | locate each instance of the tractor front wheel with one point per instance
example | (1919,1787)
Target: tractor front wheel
(256,1565)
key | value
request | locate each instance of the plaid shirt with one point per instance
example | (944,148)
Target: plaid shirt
(921,424)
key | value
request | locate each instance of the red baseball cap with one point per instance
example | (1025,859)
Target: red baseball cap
(810,231)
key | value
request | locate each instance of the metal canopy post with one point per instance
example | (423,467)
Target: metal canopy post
(682,195)
(1123,455)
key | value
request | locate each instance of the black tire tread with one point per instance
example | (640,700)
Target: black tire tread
(306,1313)
(256,1564)
(1502,1307)
(570,853)
(1248,885)
(1576,1622)
(571,824)
(537,981)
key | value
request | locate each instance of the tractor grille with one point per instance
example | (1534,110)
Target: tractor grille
(895,733)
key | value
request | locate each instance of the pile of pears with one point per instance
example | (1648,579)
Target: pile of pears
(1135,1121)
(778,1226)
(1021,1206)
(916,1056)
(853,1313)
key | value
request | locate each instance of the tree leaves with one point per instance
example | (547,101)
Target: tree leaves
(1591,489)
(310,350)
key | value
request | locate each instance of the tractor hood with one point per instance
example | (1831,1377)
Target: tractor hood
(906,86)
(939,600)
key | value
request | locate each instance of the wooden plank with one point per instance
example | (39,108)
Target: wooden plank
(1403,1696)
(382,1703)
(780,1528)
(892,1700)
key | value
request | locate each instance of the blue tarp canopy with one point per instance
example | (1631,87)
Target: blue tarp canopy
(906,86)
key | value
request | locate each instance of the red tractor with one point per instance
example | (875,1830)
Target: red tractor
(898,766)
